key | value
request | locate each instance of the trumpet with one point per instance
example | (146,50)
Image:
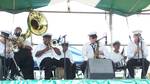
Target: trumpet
(50,45)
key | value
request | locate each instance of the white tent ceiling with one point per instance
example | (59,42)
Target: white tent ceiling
(76,25)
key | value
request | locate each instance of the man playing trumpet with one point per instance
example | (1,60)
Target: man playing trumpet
(47,56)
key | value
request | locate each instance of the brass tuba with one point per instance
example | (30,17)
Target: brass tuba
(37,23)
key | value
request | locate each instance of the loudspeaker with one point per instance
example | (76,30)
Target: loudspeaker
(100,69)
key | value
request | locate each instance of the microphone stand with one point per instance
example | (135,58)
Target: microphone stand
(65,74)
(141,42)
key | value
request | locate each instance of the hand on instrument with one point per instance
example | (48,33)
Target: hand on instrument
(137,50)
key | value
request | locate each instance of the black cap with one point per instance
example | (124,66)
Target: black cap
(116,43)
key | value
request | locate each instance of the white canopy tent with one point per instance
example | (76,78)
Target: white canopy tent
(78,24)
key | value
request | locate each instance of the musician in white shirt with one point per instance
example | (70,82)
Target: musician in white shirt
(137,52)
(89,50)
(116,56)
(6,52)
(47,56)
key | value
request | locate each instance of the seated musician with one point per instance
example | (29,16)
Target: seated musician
(116,56)
(92,49)
(137,52)
(47,56)
(70,65)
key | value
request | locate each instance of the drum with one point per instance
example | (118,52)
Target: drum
(120,64)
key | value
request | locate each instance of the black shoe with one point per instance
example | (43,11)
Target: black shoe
(143,77)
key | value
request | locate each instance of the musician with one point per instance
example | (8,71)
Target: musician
(92,49)
(5,43)
(24,60)
(116,56)
(18,34)
(70,65)
(47,56)
(137,52)
(6,52)
(18,31)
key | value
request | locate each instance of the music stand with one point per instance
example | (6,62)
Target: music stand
(141,42)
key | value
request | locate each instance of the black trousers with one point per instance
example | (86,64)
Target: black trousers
(84,66)
(138,62)
(49,64)
(70,68)
(26,68)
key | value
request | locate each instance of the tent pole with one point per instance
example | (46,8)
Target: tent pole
(110,27)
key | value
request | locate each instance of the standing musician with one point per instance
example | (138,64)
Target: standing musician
(24,61)
(17,34)
(92,49)
(6,53)
(47,56)
(137,52)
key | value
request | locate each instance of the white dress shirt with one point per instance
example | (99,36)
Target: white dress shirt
(131,50)
(115,57)
(50,53)
(9,54)
(88,52)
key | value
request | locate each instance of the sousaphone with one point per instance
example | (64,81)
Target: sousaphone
(37,23)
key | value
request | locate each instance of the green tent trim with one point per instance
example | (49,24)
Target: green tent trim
(123,7)
(15,6)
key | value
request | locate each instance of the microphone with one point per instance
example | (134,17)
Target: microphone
(64,36)
(106,40)
(58,40)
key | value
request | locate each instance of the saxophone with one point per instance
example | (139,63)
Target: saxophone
(97,52)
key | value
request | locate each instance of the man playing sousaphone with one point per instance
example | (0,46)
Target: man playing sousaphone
(22,63)
(47,56)
(92,49)
(18,34)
